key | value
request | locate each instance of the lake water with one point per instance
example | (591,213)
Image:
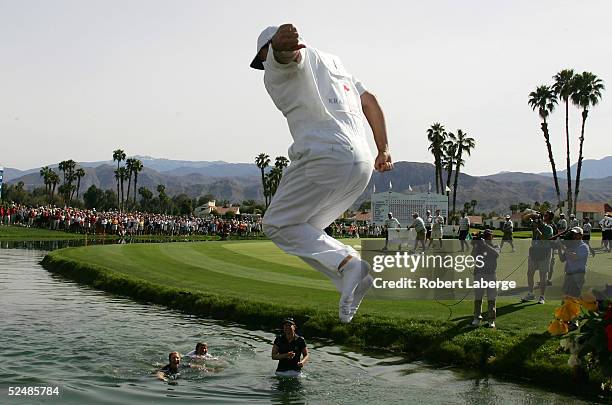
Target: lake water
(100,348)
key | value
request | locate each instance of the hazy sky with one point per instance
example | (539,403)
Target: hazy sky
(171,79)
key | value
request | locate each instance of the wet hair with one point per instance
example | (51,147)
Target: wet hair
(201,344)
(170,356)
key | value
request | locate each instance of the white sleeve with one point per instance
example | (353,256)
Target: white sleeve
(271,65)
(360,87)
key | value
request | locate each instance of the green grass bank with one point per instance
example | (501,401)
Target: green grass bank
(255,284)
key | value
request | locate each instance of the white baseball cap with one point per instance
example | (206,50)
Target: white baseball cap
(264,38)
(577,229)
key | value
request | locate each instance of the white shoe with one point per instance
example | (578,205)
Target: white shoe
(528,297)
(492,325)
(351,273)
(541,300)
(360,292)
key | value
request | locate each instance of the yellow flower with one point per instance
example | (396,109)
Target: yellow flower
(588,302)
(568,311)
(557,328)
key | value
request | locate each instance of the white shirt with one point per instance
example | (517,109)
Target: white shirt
(586,228)
(418,224)
(438,222)
(464,223)
(392,223)
(562,225)
(319,98)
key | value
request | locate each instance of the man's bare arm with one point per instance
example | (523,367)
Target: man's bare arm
(376,119)
(286,45)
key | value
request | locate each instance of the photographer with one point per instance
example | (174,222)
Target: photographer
(482,245)
(540,253)
(574,253)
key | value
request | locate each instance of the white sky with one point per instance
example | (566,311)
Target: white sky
(170,79)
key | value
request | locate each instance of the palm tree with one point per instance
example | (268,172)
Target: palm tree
(464,144)
(54,180)
(262,161)
(122,178)
(543,99)
(136,168)
(79,173)
(274,177)
(44,173)
(119,156)
(587,93)
(563,88)
(281,162)
(129,165)
(448,159)
(161,190)
(118,179)
(436,136)
(473,204)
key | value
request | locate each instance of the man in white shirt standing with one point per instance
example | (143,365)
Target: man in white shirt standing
(419,226)
(606,232)
(331,162)
(392,230)
(464,229)
(437,229)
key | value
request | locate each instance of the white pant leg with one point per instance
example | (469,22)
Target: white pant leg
(311,195)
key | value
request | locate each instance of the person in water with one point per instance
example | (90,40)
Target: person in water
(288,348)
(171,370)
(200,352)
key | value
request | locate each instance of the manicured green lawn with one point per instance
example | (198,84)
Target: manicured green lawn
(258,271)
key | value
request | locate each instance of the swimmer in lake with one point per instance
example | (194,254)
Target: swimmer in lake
(171,371)
(287,349)
(200,352)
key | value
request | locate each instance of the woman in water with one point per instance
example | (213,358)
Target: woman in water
(287,349)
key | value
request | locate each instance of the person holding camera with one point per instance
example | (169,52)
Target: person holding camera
(540,254)
(482,245)
(574,254)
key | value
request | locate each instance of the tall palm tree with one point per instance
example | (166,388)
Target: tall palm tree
(587,93)
(448,159)
(119,156)
(543,99)
(564,87)
(118,179)
(161,190)
(436,136)
(54,180)
(79,173)
(281,162)
(464,144)
(129,165)
(122,178)
(262,161)
(44,173)
(137,168)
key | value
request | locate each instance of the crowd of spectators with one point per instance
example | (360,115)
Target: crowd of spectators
(126,223)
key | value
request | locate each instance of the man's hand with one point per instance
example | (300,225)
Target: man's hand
(290,355)
(286,39)
(383,162)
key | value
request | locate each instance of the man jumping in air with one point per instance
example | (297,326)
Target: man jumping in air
(331,162)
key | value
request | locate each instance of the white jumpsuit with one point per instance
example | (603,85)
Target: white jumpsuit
(331,163)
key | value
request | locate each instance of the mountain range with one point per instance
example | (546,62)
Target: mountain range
(237,182)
